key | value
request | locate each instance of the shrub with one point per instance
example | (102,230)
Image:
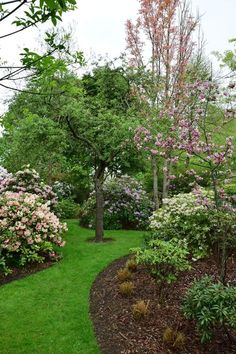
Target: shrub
(28,229)
(164,259)
(62,189)
(184,218)
(126,288)
(126,205)
(211,305)
(140,309)
(124,274)
(3,174)
(67,209)
(28,181)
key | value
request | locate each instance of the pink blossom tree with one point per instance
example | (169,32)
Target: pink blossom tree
(160,46)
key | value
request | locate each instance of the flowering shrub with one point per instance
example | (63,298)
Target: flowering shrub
(3,174)
(28,229)
(183,217)
(28,181)
(126,205)
(62,189)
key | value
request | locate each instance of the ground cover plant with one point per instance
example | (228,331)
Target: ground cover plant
(48,312)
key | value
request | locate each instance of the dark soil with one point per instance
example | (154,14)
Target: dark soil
(104,240)
(18,273)
(119,333)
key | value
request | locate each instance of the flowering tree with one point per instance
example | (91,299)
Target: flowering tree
(214,107)
(167,28)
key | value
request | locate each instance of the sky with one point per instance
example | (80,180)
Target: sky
(100,29)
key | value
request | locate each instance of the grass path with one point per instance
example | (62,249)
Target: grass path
(48,312)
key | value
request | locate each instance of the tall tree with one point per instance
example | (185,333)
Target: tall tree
(96,112)
(161,44)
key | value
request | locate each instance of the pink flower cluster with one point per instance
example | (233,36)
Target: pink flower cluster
(26,222)
(28,181)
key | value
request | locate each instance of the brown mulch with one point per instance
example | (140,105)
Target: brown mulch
(119,333)
(18,273)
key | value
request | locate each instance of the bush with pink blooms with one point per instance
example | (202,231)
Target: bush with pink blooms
(28,181)
(28,230)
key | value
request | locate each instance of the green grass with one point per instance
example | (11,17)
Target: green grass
(48,312)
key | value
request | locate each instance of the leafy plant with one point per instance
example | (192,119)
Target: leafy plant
(164,259)
(211,305)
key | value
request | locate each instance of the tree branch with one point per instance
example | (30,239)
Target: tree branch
(83,139)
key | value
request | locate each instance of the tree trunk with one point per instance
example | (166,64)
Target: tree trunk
(99,230)
(165,174)
(155,183)
(168,178)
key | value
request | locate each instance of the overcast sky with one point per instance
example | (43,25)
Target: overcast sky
(100,27)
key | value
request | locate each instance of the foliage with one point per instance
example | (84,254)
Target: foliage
(40,143)
(28,229)
(28,181)
(211,305)
(67,209)
(164,259)
(126,205)
(184,218)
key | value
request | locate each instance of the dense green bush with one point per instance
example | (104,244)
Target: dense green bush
(164,259)
(126,205)
(211,305)
(67,209)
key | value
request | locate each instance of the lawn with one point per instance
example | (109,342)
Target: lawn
(48,312)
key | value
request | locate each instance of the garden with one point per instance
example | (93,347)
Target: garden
(118,191)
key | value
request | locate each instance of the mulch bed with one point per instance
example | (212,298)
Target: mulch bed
(18,273)
(119,333)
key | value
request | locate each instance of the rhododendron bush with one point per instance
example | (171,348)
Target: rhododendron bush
(183,217)
(28,181)
(193,217)
(126,205)
(28,230)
